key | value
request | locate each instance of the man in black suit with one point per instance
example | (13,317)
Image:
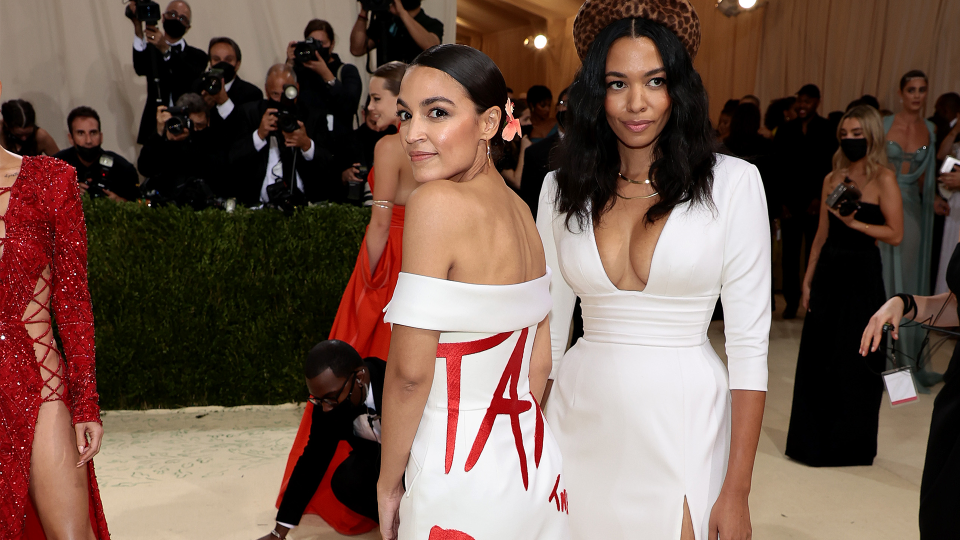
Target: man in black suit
(174,162)
(100,173)
(264,154)
(347,396)
(164,58)
(804,148)
(225,56)
(538,160)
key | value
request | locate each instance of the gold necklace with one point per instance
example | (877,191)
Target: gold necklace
(647,181)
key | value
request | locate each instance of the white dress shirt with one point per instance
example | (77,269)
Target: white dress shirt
(273,163)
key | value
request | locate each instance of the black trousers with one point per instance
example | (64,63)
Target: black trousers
(798,232)
(354,483)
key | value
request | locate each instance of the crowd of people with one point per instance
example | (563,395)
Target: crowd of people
(616,214)
(208,135)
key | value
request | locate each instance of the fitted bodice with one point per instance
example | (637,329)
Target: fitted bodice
(480,324)
(705,252)
(843,237)
(898,157)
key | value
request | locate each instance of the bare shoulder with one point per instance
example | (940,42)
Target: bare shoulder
(436,205)
(887,179)
(389,147)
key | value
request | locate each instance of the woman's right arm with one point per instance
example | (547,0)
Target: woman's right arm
(386,164)
(822,231)
(939,310)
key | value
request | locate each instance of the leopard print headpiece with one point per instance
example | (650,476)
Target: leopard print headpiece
(677,15)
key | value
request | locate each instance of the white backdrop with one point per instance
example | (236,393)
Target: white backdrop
(60,54)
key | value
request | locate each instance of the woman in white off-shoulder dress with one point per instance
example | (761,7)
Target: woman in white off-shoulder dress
(467,454)
(658,436)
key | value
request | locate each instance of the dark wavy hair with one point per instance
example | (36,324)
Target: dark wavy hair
(478,75)
(683,155)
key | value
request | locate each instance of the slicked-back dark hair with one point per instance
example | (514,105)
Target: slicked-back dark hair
(912,74)
(475,72)
(392,73)
(319,24)
(683,154)
(333,354)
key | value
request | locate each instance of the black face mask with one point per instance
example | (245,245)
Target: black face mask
(174,28)
(229,72)
(410,5)
(89,155)
(561,117)
(854,149)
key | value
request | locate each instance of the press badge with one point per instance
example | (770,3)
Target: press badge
(901,387)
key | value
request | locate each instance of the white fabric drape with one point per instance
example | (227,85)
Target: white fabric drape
(60,54)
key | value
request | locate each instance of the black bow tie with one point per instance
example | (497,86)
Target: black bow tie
(176,49)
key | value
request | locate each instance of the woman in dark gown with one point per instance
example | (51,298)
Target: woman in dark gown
(837,393)
(940,486)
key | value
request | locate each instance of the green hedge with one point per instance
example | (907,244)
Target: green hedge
(211,308)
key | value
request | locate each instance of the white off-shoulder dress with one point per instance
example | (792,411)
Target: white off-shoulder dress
(484,465)
(641,404)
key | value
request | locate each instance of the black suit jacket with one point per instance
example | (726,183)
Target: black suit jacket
(240,93)
(538,160)
(249,166)
(802,162)
(326,432)
(177,75)
(121,179)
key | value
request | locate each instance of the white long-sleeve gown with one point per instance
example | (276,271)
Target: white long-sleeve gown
(641,404)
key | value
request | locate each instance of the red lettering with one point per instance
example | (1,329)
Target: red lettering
(436,533)
(554,496)
(511,407)
(454,353)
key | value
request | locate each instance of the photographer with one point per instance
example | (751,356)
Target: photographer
(220,86)
(326,83)
(346,397)
(181,151)
(164,58)
(280,144)
(843,287)
(100,173)
(400,32)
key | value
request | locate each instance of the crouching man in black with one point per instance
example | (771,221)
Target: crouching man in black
(347,394)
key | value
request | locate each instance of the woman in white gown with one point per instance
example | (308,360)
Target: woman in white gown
(658,436)
(466,452)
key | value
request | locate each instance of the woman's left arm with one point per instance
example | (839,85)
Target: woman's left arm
(72,308)
(745,294)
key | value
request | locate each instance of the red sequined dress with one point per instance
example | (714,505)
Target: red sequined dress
(43,265)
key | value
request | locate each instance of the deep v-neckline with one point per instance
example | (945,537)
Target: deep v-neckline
(653,258)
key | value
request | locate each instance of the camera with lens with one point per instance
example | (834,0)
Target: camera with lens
(845,199)
(287,119)
(145,11)
(212,81)
(306,51)
(95,177)
(376,5)
(355,188)
(179,120)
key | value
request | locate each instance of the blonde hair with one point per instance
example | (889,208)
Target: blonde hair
(872,126)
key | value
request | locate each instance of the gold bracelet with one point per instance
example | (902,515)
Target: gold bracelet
(383,204)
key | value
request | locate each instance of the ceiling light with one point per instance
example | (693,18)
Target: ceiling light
(540,41)
(747,4)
